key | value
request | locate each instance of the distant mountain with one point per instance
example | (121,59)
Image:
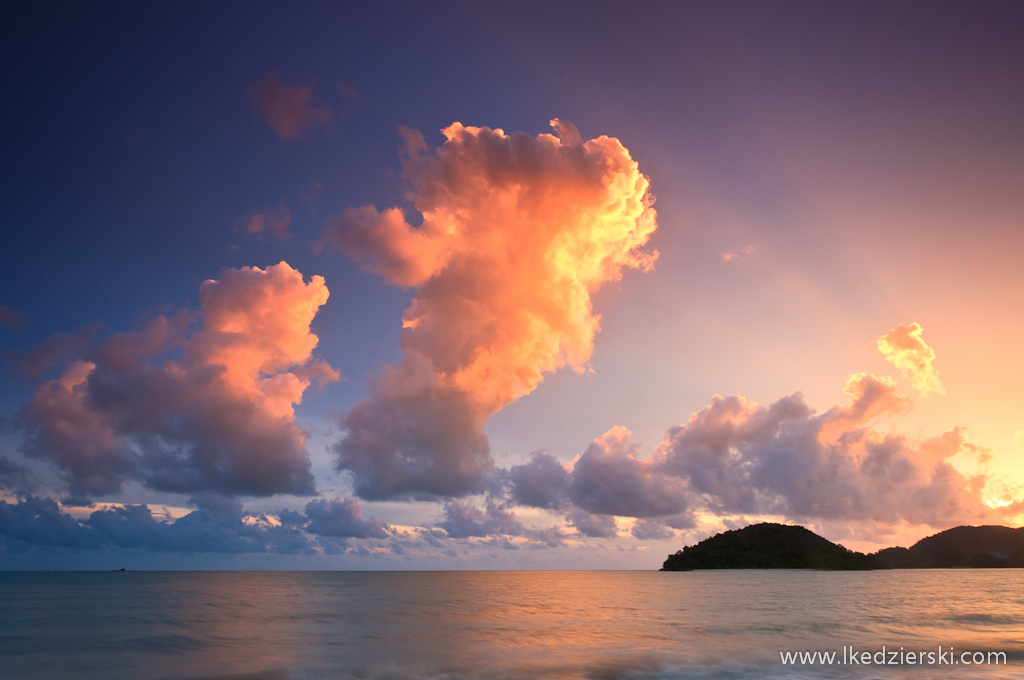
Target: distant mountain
(784,546)
(986,546)
(767,546)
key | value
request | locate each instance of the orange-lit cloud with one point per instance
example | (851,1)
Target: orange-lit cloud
(269,221)
(517,234)
(738,255)
(871,397)
(191,410)
(287,108)
(907,350)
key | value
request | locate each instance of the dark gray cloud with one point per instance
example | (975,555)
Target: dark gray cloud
(651,530)
(608,479)
(706,450)
(592,526)
(541,483)
(15,477)
(464,521)
(412,439)
(684,520)
(433,537)
(41,521)
(218,524)
(342,518)
(550,537)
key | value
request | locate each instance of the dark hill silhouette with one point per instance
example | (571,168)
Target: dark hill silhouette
(783,546)
(985,546)
(767,546)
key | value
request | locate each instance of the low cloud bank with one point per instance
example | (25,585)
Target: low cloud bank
(217,525)
(736,457)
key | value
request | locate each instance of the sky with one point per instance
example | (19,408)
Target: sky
(504,285)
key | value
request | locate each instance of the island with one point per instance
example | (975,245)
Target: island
(784,546)
(767,546)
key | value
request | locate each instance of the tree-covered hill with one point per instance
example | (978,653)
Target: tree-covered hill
(985,546)
(767,546)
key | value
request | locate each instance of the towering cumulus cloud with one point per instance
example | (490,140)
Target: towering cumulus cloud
(517,234)
(908,351)
(186,409)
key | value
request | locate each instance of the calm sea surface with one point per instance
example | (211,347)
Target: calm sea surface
(503,625)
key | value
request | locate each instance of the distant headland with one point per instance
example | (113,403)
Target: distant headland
(784,546)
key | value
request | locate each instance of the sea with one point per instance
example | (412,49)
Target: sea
(512,625)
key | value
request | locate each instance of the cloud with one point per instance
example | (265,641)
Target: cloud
(342,518)
(217,525)
(494,522)
(58,349)
(736,457)
(41,521)
(550,537)
(287,108)
(15,476)
(11,318)
(414,438)
(385,244)
(191,410)
(541,483)
(738,255)
(272,221)
(517,234)
(608,479)
(651,530)
(593,526)
(65,430)
(464,521)
(742,458)
(907,350)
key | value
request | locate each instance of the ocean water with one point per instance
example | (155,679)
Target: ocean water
(722,625)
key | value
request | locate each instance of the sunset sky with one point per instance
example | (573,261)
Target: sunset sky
(515,285)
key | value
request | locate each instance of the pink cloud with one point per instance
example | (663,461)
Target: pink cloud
(287,108)
(189,409)
(269,221)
